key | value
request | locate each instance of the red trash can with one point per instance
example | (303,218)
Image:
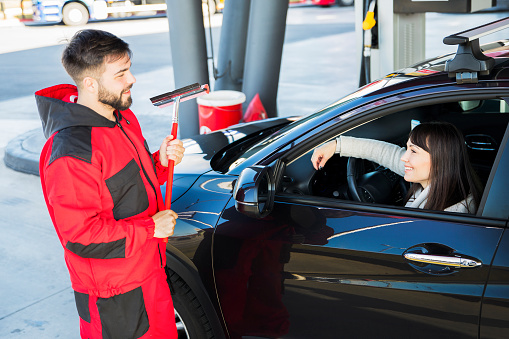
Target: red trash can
(219,109)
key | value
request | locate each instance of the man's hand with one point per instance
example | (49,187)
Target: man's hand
(164,223)
(171,149)
(322,154)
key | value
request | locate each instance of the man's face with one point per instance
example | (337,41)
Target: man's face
(115,84)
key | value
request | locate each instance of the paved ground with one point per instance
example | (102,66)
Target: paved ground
(37,301)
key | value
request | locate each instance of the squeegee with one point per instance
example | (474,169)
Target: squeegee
(175,98)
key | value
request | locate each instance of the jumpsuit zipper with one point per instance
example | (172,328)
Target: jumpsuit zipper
(144,173)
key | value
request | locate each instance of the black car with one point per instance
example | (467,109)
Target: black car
(266,246)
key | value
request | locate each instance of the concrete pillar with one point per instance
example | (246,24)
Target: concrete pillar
(265,38)
(232,47)
(189,55)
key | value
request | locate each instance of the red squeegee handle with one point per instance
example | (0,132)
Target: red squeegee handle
(171,166)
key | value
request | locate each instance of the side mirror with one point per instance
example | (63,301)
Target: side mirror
(254,192)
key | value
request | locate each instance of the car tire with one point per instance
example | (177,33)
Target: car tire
(192,322)
(75,14)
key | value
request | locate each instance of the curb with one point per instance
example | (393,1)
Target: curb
(20,159)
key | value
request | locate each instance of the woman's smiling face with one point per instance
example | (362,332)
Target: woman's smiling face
(417,164)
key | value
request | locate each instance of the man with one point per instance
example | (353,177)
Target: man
(101,186)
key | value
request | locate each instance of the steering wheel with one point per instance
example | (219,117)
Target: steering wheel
(373,187)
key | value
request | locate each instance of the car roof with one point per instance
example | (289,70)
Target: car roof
(434,70)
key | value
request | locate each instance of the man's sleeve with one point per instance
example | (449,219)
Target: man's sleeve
(75,197)
(161,171)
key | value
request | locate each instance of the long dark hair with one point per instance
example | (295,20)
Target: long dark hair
(452,178)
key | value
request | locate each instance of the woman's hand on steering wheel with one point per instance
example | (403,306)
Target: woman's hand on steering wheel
(322,154)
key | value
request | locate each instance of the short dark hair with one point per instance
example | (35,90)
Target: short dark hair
(89,49)
(452,178)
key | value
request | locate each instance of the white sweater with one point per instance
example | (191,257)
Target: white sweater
(389,155)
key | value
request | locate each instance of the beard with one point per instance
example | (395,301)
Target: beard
(115,101)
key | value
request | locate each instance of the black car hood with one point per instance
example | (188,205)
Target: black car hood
(201,148)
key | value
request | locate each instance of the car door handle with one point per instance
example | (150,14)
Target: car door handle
(443,260)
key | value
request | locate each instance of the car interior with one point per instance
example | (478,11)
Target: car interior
(483,123)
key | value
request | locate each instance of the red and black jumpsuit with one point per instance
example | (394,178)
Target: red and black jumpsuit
(101,186)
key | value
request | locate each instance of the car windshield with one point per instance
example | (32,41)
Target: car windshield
(270,138)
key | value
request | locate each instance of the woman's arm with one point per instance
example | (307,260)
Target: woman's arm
(383,153)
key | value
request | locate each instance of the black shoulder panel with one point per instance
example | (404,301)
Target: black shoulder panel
(73,142)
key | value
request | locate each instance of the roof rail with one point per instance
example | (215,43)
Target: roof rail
(469,60)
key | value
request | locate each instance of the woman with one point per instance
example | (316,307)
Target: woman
(435,161)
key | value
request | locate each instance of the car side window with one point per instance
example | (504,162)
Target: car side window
(482,123)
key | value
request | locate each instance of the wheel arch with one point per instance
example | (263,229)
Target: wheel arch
(185,268)
(77,1)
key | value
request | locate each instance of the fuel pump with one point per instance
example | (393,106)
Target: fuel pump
(391,33)
(370,40)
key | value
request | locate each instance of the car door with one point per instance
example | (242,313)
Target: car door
(495,309)
(348,275)
(358,271)
(314,269)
